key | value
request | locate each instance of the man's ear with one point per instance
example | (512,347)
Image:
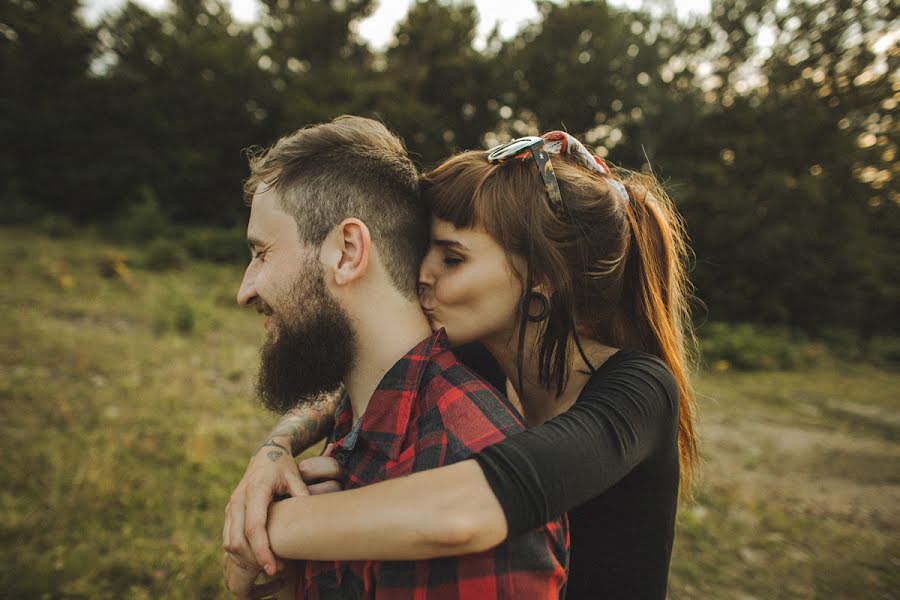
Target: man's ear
(346,251)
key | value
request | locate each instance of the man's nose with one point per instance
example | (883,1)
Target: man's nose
(247,292)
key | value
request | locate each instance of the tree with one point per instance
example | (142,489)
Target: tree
(46,104)
(791,203)
(435,87)
(189,94)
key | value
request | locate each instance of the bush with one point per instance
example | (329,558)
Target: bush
(751,347)
(162,254)
(216,245)
(884,351)
(56,226)
(843,342)
(143,221)
(174,312)
(17,211)
(183,318)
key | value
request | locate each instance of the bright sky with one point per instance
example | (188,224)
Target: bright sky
(378,29)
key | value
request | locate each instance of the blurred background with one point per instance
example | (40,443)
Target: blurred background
(127,411)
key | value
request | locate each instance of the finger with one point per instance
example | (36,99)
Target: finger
(239,562)
(261,590)
(256,534)
(326,487)
(320,468)
(295,486)
(329,450)
(237,543)
(233,579)
(226,538)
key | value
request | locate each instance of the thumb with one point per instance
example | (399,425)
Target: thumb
(329,450)
(296,487)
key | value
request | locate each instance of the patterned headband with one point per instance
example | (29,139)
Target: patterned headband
(560,142)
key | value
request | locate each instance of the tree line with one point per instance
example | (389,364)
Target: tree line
(773,125)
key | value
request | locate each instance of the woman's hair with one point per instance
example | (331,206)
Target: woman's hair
(616,267)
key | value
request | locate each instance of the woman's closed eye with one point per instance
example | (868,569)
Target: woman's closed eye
(452,260)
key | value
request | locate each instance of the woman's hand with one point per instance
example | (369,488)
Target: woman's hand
(322,474)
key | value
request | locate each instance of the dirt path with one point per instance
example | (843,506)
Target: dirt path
(824,473)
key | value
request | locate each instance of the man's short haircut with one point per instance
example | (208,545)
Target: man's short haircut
(350,167)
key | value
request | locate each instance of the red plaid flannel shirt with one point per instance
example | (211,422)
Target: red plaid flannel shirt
(429,410)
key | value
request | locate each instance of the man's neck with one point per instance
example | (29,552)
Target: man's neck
(384,335)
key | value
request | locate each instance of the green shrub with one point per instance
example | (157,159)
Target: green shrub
(751,347)
(57,226)
(216,245)
(162,254)
(174,312)
(884,351)
(183,318)
(844,342)
(17,211)
(143,220)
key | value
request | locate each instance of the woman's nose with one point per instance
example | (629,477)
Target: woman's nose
(427,268)
(426,279)
(425,286)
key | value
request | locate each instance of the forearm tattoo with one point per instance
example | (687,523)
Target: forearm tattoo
(276,453)
(307,427)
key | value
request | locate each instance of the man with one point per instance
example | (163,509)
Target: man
(336,234)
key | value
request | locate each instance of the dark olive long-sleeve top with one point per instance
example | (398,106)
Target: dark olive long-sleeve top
(611,462)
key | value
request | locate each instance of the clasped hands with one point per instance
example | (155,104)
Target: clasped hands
(270,474)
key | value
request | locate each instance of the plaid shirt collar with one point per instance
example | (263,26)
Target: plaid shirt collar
(385,421)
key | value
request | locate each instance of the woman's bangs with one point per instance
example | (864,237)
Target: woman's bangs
(453,190)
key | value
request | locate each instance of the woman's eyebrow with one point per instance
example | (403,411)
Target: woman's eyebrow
(448,244)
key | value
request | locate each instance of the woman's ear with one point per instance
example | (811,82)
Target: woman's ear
(346,251)
(542,285)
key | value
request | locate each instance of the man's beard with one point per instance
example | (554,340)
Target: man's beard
(310,351)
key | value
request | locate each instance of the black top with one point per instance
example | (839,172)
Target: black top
(611,461)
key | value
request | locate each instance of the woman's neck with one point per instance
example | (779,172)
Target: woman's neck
(538,403)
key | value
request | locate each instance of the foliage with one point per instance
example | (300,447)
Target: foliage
(745,346)
(57,226)
(174,312)
(772,123)
(163,254)
(792,203)
(142,220)
(216,244)
(884,351)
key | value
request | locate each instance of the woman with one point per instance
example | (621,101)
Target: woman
(573,281)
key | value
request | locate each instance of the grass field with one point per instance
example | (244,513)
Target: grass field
(127,418)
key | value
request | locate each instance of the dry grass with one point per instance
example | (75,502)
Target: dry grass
(126,420)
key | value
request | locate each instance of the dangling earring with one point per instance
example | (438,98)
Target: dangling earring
(525,306)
